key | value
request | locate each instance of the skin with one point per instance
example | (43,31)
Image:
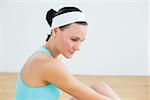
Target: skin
(103,89)
(68,41)
(39,68)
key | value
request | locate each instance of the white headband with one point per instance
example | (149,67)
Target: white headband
(67,18)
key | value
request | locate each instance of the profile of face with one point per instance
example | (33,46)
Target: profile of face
(68,41)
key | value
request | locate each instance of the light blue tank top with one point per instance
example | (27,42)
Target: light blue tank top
(25,92)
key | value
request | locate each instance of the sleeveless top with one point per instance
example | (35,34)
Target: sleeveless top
(26,92)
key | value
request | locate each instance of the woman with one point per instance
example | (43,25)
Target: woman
(43,74)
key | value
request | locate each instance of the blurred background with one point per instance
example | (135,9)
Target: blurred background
(116,44)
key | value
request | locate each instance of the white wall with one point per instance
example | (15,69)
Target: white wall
(1,34)
(148,36)
(116,43)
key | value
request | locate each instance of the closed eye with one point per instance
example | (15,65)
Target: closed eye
(74,40)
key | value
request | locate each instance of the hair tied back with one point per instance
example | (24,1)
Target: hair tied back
(50,15)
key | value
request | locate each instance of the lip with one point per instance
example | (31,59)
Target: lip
(71,52)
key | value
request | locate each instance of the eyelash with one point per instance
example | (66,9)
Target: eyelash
(74,40)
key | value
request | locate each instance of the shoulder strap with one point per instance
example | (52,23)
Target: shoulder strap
(45,50)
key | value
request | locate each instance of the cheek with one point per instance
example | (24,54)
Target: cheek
(64,44)
(67,44)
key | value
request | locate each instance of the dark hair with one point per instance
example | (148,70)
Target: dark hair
(52,13)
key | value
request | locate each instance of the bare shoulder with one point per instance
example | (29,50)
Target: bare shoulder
(47,68)
(54,69)
(45,63)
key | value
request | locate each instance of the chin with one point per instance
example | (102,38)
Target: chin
(68,56)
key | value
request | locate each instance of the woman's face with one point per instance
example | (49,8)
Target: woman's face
(69,40)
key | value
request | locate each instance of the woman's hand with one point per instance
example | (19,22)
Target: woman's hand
(104,89)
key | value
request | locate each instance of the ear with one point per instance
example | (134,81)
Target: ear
(56,31)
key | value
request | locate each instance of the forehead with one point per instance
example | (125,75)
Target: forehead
(76,30)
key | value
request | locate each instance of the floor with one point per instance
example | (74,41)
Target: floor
(127,87)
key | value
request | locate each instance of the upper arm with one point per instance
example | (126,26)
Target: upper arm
(56,73)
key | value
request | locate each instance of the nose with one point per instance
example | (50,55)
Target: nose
(76,46)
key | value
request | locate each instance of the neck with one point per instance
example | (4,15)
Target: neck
(52,48)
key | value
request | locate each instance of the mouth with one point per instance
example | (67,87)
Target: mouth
(71,52)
